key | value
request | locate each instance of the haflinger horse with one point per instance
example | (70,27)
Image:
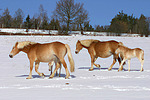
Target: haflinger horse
(55,61)
(101,49)
(130,53)
(47,52)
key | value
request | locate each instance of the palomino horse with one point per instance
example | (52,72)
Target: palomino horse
(37,53)
(99,49)
(56,60)
(128,53)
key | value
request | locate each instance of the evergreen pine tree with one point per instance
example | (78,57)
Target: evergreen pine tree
(27,23)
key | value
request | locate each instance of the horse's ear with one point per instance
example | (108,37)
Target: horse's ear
(16,43)
(79,41)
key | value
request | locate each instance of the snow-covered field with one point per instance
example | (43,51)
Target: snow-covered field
(83,84)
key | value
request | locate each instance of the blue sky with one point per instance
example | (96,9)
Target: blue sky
(100,11)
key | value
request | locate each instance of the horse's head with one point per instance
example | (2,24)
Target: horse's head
(78,47)
(14,51)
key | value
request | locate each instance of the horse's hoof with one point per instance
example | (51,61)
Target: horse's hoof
(142,70)
(109,69)
(98,66)
(67,78)
(28,77)
(50,77)
(121,69)
(90,69)
(43,75)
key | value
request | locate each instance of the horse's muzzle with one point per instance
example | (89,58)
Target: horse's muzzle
(76,52)
(11,56)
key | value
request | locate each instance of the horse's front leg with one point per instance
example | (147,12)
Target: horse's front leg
(121,65)
(31,68)
(92,63)
(36,69)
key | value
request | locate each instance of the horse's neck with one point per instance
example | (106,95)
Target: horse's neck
(91,45)
(26,49)
(85,47)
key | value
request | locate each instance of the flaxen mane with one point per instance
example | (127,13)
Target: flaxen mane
(88,42)
(24,43)
(120,43)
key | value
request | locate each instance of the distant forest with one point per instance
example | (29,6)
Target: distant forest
(71,16)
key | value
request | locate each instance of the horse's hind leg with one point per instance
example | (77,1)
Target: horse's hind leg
(129,65)
(50,67)
(56,68)
(115,56)
(97,65)
(114,61)
(59,70)
(142,62)
(65,66)
(36,69)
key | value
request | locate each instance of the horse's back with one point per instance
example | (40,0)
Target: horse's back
(45,52)
(106,48)
(58,47)
(51,46)
(139,52)
(107,45)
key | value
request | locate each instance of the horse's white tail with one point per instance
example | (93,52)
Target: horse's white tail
(71,61)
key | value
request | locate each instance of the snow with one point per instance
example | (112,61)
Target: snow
(55,32)
(83,84)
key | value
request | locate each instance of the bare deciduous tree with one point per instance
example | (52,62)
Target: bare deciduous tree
(6,19)
(43,18)
(68,12)
(18,19)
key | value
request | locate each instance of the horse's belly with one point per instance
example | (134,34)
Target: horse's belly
(104,55)
(45,58)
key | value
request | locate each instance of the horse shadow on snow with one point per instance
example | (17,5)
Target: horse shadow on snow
(84,67)
(37,76)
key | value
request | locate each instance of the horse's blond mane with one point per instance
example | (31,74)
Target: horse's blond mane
(120,43)
(87,42)
(24,43)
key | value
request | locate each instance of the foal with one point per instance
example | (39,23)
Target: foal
(130,53)
(57,61)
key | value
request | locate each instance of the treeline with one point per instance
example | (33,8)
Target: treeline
(68,16)
(123,23)
(71,16)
